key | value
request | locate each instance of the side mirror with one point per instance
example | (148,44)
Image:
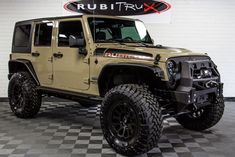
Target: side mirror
(75,41)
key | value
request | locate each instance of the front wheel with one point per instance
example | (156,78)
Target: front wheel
(203,118)
(131,119)
(25,101)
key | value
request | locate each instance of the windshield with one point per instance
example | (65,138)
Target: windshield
(114,30)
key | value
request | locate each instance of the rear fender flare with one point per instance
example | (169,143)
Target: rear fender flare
(22,65)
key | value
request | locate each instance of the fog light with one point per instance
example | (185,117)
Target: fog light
(206,73)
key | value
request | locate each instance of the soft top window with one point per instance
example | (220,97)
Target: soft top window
(22,39)
(22,35)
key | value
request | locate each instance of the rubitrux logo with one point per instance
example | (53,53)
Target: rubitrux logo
(117,8)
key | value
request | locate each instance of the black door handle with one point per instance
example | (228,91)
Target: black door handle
(58,55)
(35,54)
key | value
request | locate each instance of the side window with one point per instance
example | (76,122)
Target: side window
(69,28)
(43,34)
(22,35)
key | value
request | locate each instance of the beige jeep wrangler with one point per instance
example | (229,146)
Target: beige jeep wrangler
(113,61)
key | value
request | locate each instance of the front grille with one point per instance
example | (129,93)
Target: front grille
(194,71)
(189,58)
(202,69)
(199,66)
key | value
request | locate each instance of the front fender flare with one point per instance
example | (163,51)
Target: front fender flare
(153,69)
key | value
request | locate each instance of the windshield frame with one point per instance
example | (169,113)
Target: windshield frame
(118,41)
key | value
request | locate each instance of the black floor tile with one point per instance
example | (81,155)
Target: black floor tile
(67,129)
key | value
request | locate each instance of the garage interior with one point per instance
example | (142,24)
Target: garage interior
(66,129)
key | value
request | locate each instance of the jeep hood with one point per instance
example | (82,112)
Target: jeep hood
(164,52)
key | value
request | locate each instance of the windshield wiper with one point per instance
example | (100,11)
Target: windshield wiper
(141,43)
(123,42)
(119,41)
(149,46)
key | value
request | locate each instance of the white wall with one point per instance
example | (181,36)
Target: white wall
(200,25)
(203,26)
(12,11)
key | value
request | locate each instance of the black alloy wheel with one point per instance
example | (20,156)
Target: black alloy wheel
(17,98)
(123,122)
(24,98)
(131,119)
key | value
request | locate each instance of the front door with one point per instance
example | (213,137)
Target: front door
(71,69)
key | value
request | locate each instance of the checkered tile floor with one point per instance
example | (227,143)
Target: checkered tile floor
(66,129)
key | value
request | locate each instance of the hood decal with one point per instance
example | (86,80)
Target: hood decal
(126,54)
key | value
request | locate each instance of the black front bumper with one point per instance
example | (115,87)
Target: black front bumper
(193,86)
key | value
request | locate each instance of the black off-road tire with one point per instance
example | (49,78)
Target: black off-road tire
(25,101)
(144,112)
(210,117)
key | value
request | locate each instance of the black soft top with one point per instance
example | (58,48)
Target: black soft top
(47,18)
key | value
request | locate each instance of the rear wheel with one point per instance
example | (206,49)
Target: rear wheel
(25,101)
(131,119)
(203,118)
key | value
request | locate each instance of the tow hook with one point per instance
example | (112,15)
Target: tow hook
(211,84)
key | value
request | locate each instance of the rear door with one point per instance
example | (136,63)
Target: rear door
(71,69)
(42,52)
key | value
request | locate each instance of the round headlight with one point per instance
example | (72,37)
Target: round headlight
(171,67)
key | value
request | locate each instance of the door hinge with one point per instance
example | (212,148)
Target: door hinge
(50,77)
(50,59)
(87,60)
(86,81)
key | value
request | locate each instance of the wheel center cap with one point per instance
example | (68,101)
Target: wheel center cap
(125,120)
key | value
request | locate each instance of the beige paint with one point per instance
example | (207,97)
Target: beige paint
(73,72)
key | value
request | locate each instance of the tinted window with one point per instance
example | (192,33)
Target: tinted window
(22,35)
(69,28)
(43,34)
(107,33)
(130,32)
(115,30)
